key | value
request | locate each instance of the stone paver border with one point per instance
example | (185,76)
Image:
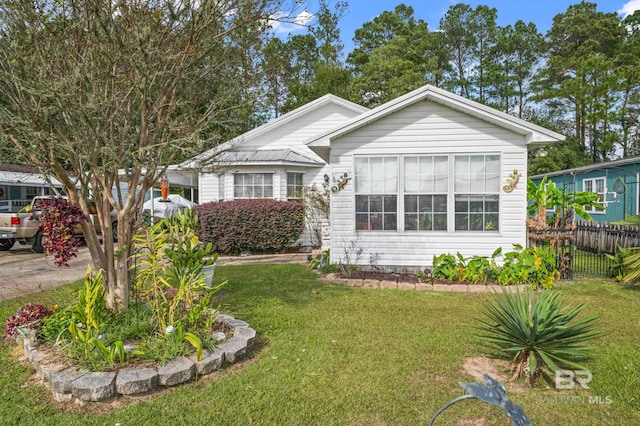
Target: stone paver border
(69,383)
(458,288)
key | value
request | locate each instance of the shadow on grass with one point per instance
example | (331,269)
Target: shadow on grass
(630,287)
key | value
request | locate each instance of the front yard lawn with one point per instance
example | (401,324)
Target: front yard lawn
(328,354)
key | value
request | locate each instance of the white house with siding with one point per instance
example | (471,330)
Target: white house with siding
(425,174)
(271,161)
(428,173)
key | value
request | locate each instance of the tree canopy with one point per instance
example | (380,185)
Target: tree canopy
(104,95)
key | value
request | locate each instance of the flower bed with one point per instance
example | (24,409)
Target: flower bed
(68,382)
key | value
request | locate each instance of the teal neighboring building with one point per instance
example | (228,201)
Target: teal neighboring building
(616,183)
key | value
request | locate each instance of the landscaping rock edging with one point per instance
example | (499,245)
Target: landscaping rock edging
(67,383)
(402,285)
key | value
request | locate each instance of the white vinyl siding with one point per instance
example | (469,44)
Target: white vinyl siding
(428,129)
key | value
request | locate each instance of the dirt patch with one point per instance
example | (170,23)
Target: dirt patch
(498,369)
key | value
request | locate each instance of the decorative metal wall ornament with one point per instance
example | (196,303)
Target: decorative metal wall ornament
(619,187)
(512,181)
(492,392)
(340,182)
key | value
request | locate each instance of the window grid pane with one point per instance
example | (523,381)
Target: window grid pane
(477,189)
(597,185)
(376,187)
(294,185)
(376,212)
(425,176)
(253,185)
(425,212)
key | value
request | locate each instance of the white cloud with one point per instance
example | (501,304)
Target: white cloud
(283,23)
(629,7)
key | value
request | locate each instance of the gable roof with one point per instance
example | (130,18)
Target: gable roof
(207,157)
(534,134)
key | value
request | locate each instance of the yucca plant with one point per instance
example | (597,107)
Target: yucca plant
(537,332)
(631,266)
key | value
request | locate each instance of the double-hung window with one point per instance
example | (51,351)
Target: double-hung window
(253,185)
(426,183)
(376,187)
(594,185)
(294,185)
(477,192)
(445,193)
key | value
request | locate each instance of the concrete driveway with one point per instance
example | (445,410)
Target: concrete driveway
(24,272)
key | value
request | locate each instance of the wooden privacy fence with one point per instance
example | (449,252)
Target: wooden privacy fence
(602,237)
(581,251)
(593,237)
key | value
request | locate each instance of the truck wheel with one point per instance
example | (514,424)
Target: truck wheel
(114,231)
(37,243)
(6,245)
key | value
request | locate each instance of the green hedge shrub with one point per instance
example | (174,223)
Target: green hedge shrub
(250,225)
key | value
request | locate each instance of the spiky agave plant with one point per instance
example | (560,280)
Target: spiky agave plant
(536,332)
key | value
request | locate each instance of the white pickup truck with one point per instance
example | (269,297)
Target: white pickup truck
(24,227)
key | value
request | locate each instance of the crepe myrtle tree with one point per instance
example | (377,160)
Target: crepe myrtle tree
(104,94)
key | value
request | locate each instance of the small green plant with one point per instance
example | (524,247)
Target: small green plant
(349,261)
(169,261)
(89,314)
(170,345)
(111,354)
(535,266)
(617,268)
(631,265)
(445,266)
(56,327)
(322,262)
(536,332)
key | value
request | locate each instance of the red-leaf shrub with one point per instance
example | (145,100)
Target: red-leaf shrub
(250,225)
(58,222)
(29,315)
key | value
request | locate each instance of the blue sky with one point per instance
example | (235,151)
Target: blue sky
(540,12)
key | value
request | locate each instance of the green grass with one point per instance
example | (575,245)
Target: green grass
(355,357)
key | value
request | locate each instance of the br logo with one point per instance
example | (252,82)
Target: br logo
(567,379)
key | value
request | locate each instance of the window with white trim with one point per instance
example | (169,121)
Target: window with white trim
(477,192)
(376,187)
(426,184)
(597,185)
(253,185)
(446,193)
(294,185)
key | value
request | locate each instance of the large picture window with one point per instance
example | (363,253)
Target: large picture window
(436,193)
(253,185)
(426,183)
(376,183)
(477,192)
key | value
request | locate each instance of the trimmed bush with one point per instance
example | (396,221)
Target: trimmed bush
(250,225)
